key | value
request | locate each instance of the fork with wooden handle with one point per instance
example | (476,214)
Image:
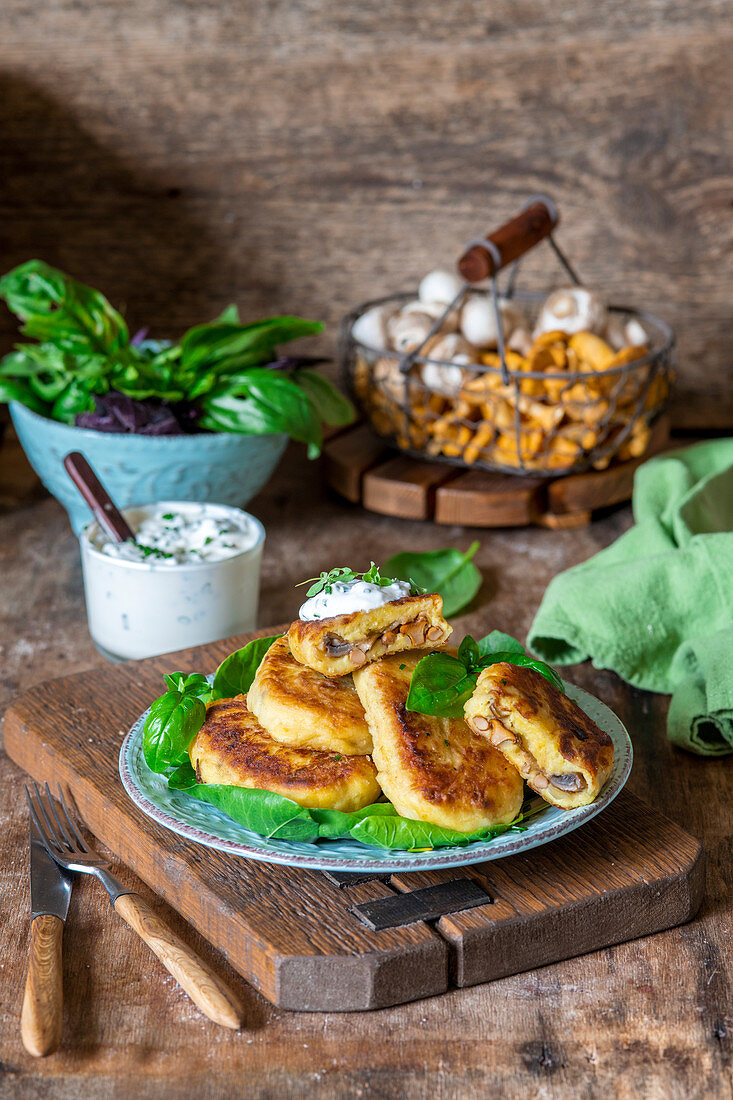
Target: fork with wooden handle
(65,843)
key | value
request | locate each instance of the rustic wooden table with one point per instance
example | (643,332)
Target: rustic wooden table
(651,1018)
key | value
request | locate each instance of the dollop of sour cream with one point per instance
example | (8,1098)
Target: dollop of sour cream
(348,596)
(169,537)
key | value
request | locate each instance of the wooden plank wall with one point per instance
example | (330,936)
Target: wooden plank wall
(302,155)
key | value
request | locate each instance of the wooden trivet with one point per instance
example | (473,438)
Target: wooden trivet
(366,471)
(294,934)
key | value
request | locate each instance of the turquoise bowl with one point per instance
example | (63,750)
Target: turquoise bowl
(220,468)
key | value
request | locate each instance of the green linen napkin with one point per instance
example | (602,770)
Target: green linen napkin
(657,605)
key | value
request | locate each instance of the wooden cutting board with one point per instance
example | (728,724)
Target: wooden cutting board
(292,933)
(363,469)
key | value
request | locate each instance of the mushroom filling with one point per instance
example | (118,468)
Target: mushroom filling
(530,769)
(418,632)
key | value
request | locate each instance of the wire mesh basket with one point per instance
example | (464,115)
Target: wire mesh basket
(567,403)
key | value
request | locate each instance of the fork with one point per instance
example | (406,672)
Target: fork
(64,841)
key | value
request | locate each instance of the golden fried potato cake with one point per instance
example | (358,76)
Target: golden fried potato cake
(232,748)
(433,769)
(342,643)
(304,708)
(558,749)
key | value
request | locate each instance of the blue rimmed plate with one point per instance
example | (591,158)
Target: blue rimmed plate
(205,824)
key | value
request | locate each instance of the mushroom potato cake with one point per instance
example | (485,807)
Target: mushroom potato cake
(552,742)
(232,748)
(340,644)
(304,708)
(433,769)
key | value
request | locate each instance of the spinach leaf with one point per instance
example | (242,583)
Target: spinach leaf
(450,572)
(273,816)
(334,823)
(263,812)
(330,405)
(174,720)
(401,832)
(236,672)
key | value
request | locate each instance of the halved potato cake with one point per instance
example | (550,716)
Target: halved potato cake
(304,708)
(433,769)
(232,748)
(559,750)
(342,643)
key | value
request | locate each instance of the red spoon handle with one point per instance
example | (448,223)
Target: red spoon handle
(106,513)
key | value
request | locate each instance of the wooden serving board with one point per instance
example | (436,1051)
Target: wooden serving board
(362,468)
(292,933)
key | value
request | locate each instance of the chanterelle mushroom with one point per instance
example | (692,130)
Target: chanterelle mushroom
(571,309)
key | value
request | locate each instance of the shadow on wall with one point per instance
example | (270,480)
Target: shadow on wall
(72,201)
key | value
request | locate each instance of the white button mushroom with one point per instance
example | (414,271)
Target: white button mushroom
(370,328)
(439,286)
(571,309)
(478,320)
(620,332)
(447,377)
(407,331)
(635,333)
(434,310)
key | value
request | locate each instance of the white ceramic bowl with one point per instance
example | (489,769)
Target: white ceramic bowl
(140,609)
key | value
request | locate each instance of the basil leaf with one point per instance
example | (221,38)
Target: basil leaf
(11,390)
(498,640)
(58,309)
(468,652)
(194,683)
(450,572)
(523,661)
(174,720)
(330,405)
(183,778)
(236,672)
(259,402)
(224,343)
(440,686)
(263,812)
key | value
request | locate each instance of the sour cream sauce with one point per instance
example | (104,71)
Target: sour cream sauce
(169,537)
(190,577)
(348,596)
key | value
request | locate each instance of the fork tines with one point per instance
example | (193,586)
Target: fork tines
(59,833)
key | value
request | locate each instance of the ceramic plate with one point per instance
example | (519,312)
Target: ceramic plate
(205,824)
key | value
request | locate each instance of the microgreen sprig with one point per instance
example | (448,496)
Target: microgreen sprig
(344,575)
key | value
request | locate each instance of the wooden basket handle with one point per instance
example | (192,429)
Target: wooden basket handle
(510,241)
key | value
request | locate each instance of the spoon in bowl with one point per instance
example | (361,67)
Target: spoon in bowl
(104,509)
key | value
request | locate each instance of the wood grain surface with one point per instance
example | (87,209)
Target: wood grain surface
(362,468)
(650,1018)
(304,157)
(292,934)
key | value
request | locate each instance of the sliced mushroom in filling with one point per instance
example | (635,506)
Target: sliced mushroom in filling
(418,631)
